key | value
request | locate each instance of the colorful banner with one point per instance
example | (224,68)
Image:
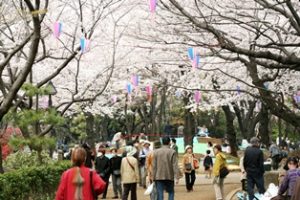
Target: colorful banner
(57,28)
(191,53)
(84,44)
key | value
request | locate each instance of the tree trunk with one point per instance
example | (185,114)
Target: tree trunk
(279,130)
(246,121)
(153,114)
(91,136)
(275,104)
(126,115)
(189,126)
(264,131)
(230,131)
(162,113)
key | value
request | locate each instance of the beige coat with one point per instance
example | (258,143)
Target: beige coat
(165,164)
(129,175)
(186,159)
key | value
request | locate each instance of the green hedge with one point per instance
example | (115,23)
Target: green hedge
(33,183)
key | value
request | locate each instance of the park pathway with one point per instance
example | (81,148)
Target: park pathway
(203,189)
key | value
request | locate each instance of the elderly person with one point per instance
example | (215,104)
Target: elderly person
(189,168)
(102,166)
(289,181)
(165,169)
(144,152)
(77,181)
(254,167)
(129,173)
(115,164)
(149,166)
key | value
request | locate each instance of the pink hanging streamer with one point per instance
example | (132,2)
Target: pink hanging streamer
(152,6)
(57,28)
(149,93)
(197,97)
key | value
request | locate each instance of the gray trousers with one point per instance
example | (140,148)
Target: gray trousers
(117,186)
(143,175)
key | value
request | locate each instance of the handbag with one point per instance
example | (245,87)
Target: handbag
(224,172)
(196,163)
(117,172)
(188,166)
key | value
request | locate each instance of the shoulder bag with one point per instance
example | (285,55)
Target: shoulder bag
(224,172)
(132,167)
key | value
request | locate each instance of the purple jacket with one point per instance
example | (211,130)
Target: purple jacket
(289,182)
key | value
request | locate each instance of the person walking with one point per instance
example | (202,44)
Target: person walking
(289,181)
(275,155)
(220,162)
(189,168)
(142,161)
(89,155)
(174,146)
(165,169)
(129,173)
(149,167)
(76,182)
(254,166)
(102,166)
(115,164)
(208,164)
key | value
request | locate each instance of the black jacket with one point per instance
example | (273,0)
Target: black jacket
(102,166)
(254,161)
(115,163)
(208,162)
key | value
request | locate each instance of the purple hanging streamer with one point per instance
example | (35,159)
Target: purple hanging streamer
(238,88)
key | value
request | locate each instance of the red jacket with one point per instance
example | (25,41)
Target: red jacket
(66,189)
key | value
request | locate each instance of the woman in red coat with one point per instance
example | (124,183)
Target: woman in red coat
(75,183)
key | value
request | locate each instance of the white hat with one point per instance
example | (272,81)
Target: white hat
(188,147)
(130,150)
(146,142)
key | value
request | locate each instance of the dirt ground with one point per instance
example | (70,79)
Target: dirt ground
(203,188)
(201,192)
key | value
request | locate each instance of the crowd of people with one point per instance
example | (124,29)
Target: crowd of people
(132,166)
(158,166)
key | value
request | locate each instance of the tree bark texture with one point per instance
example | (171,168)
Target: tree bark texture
(230,131)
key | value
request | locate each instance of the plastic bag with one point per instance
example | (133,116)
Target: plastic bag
(149,189)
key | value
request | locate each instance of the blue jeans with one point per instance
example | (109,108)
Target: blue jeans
(251,182)
(167,185)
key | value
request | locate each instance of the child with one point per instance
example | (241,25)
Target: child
(208,163)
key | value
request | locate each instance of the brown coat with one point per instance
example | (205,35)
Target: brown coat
(165,164)
(296,195)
